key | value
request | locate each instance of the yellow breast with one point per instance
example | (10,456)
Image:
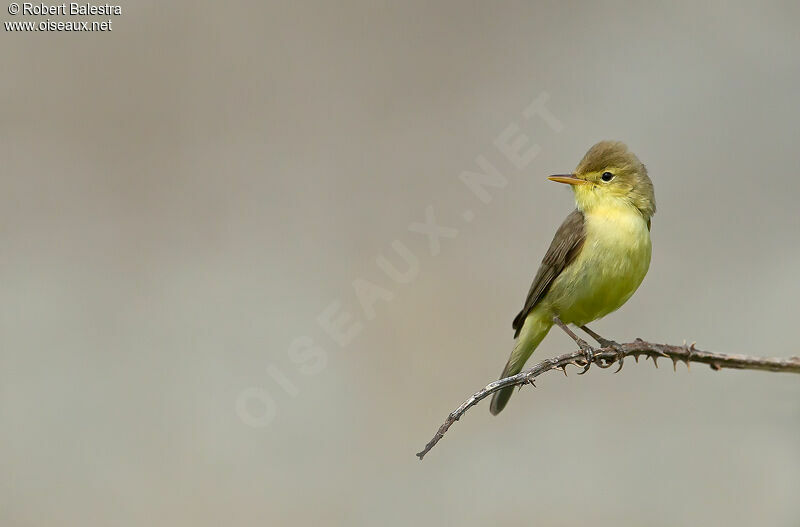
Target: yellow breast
(610,267)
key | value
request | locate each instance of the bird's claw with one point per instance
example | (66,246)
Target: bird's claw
(588,352)
(617,348)
(620,359)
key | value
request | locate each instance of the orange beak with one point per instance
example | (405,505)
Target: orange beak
(569,179)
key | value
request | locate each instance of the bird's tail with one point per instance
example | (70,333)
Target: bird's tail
(533,331)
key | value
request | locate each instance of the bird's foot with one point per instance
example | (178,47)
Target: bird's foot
(606,343)
(617,347)
(588,353)
(587,350)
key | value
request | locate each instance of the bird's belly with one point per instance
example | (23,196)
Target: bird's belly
(610,267)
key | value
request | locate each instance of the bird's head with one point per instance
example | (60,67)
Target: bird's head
(609,174)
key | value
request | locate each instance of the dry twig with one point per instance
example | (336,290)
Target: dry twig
(605,357)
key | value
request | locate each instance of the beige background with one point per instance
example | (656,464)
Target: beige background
(182,197)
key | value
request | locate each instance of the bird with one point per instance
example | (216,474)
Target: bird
(598,257)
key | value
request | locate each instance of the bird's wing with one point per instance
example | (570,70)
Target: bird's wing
(563,249)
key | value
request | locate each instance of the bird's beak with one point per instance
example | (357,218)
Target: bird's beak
(569,179)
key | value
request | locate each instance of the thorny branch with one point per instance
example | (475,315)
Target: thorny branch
(606,356)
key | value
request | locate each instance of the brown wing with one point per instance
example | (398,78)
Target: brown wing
(563,249)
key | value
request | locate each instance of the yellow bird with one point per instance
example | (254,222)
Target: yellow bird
(597,259)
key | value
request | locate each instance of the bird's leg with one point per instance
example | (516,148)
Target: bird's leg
(607,344)
(582,344)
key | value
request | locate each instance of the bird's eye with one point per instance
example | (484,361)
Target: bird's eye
(607,176)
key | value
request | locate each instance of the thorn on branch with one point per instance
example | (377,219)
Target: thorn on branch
(689,351)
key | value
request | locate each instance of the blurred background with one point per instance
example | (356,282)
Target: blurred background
(198,209)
